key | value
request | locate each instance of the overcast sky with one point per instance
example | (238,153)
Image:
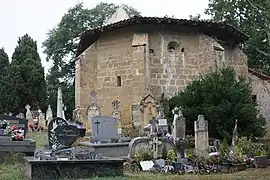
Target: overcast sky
(37,17)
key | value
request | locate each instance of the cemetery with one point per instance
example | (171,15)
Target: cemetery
(130,130)
(107,153)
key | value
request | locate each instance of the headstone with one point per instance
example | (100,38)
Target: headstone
(67,134)
(162,124)
(217,143)
(201,134)
(146,165)
(41,119)
(93,109)
(64,110)
(155,143)
(117,114)
(179,132)
(52,136)
(29,114)
(104,128)
(49,115)
(136,114)
(18,122)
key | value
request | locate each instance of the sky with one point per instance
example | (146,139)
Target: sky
(37,17)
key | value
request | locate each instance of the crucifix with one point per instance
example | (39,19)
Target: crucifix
(155,143)
(97,123)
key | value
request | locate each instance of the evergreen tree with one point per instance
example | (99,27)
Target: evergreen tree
(222,99)
(26,75)
(4,64)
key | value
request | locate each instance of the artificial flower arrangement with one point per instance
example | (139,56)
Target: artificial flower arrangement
(15,133)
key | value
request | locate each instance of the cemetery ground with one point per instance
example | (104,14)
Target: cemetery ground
(12,169)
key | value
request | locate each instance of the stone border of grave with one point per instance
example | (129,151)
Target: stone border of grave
(74,169)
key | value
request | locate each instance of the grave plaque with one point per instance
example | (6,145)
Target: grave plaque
(104,128)
(67,134)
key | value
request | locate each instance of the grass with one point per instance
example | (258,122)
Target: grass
(13,170)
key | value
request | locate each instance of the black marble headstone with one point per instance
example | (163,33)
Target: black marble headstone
(67,134)
(18,122)
(52,136)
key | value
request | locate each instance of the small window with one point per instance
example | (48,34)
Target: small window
(119,81)
(254,98)
(173,47)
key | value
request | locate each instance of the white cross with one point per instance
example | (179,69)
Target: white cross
(155,143)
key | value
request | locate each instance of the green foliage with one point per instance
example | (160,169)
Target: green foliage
(171,155)
(4,65)
(253,18)
(26,81)
(61,45)
(221,98)
(249,148)
(143,154)
(224,149)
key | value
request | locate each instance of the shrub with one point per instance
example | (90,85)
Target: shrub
(143,154)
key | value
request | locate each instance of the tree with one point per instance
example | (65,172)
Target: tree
(222,99)
(61,45)
(4,64)
(252,17)
(26,77)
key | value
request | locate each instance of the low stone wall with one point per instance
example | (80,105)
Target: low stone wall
(108,149)
(72,169)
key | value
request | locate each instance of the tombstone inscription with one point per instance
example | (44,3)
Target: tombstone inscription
(67,134)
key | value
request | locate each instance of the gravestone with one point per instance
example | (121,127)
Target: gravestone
(201,134)
(104,128)
(28,114)
(179,132)
(18,122)
(77,114)
(234,138)
(41,119)
(21,115)
(148,105)
(67,134)
(92,110)
(49,115)
(52,136)
(163,125)
(117,114)
(136,114)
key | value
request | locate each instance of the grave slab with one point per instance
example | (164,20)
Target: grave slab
(72,169)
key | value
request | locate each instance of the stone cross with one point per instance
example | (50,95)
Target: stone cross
(28,114)
(201,134)
(155,143)
(97,123)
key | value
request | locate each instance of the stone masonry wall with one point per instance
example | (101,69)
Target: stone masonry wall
(195,55)
(112,56)
(165,60)
(261,88)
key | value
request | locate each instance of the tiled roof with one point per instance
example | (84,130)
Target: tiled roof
(219,29)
